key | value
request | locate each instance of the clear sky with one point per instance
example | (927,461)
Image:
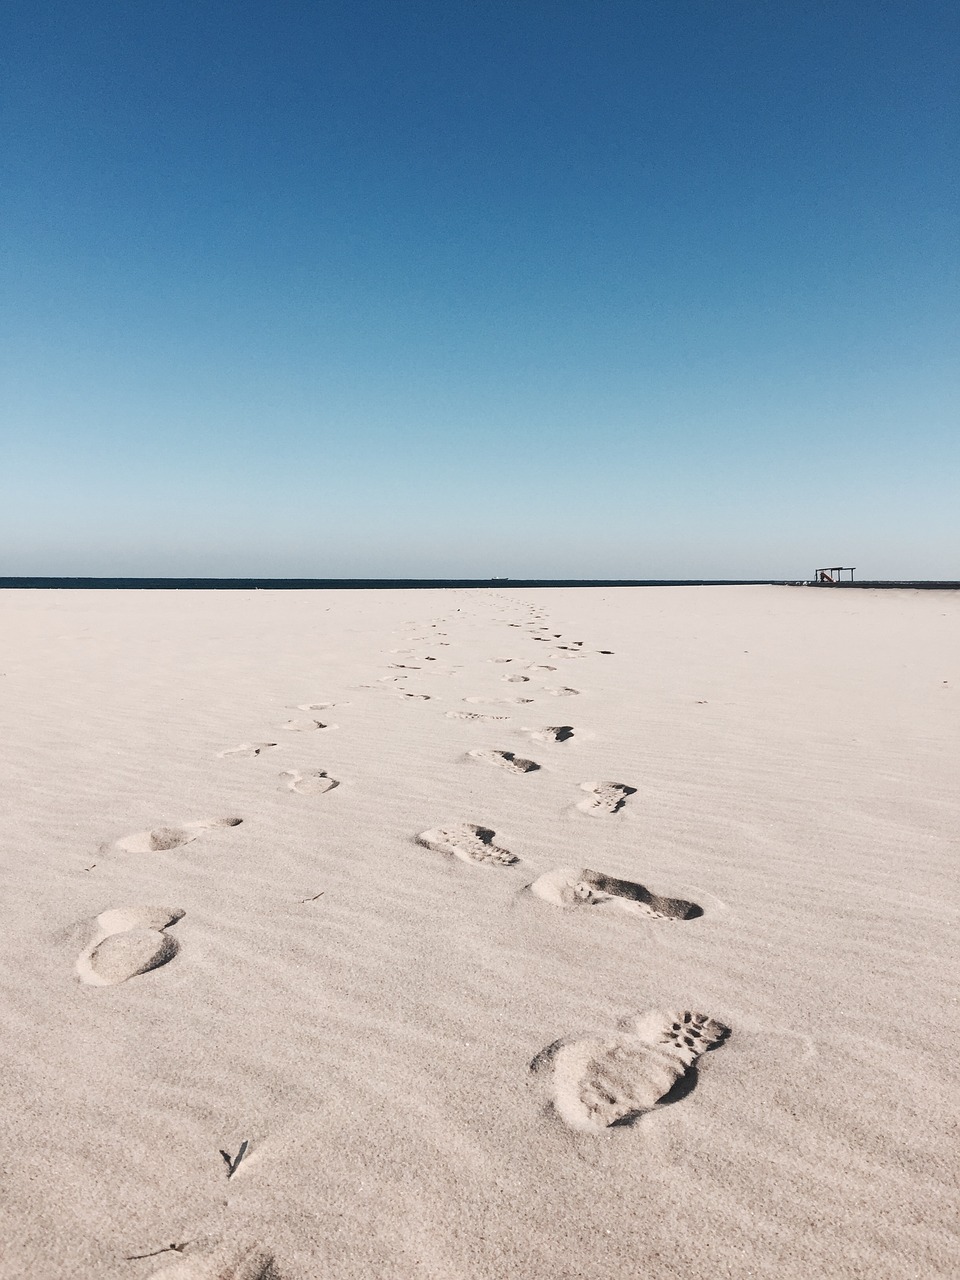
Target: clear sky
(472,287)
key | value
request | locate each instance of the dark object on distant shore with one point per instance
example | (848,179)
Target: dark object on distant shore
(832,576)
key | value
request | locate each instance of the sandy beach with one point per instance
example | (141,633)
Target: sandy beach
(480,934)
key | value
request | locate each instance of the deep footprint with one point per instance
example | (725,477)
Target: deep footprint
(314,782)
(568,887)
(162,838)
(552,733)
(468,842)
(604,1081)
(605,798)
(506,760)
(128,941)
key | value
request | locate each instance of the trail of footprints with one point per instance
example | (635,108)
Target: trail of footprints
(592,1082)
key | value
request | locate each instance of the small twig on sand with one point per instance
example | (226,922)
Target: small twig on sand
(314,898)
(167,1248)
(231,1163)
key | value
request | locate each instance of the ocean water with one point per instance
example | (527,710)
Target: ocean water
(420,584)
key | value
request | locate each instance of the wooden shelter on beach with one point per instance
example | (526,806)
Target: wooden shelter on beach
(830,577)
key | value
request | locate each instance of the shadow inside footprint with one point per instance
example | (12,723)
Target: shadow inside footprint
(600,1082)
(128,941)
(505,760)
(468,842)
(567,887)
(552,733)
(605,798)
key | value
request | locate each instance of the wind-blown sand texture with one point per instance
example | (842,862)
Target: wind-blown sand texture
(718,1039)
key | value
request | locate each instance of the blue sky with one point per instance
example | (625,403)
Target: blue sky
(406,288)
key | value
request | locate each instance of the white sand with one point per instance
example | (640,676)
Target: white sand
(363,1009)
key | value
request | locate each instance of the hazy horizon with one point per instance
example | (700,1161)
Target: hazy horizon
(569,291)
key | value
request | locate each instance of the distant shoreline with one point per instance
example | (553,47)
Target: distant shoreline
(422,584)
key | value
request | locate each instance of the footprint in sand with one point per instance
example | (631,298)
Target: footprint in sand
(417,697)
(468,842)
(540,666)
(568,887)
(564,691)
(247,750)
(517,679)
(316,706)
(127,941)
(307,726)
(596,1082)
(162,838)
(605,798)
(223,1261)
(552,733)
(505,760)
(314,782)
(498,702)
(473,715)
